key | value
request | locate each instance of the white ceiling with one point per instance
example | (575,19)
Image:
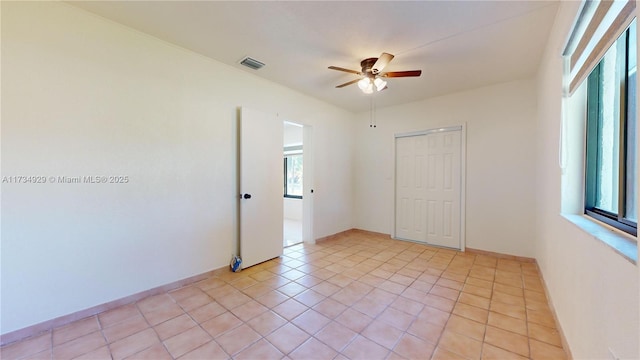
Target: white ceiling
(458,45)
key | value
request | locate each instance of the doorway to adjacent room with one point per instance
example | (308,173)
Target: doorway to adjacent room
(293,151)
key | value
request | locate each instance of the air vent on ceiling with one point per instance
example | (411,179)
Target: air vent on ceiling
(252,63)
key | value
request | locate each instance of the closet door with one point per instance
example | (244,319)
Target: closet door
(429,187)
(411,191)
(443,189)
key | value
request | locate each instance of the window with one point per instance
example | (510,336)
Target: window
(293,176)
(611,174)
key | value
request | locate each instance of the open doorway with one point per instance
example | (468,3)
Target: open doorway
(293,151)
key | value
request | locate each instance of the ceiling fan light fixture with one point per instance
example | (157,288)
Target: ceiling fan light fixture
(379,83)
(364,83)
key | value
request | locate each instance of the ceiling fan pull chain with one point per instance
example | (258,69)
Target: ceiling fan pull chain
(372,113)
(373,106)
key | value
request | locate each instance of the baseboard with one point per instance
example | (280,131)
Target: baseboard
(501,256)
(334,236)
(563,339)
(372,233)
(48,325)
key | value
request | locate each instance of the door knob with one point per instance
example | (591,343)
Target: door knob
(247,196)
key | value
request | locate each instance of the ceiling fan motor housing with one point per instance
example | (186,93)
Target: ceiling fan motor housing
(367,66)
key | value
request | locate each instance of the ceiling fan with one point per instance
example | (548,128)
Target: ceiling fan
(372,77)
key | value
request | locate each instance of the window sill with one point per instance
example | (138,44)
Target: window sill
(293,197)
(622,244)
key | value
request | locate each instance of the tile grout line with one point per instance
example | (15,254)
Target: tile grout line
(106,341)
(152,327)
(484,336)
(51,340)
(526,316)
(448,319)
(198,324)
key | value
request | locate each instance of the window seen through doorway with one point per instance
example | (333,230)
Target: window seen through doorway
(293,176)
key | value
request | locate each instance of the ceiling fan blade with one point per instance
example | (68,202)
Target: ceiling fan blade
(408,73)
(345,70)
(382,61)
(348,83)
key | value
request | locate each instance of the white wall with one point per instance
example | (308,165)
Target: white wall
(293,209)
(500,162)
(292,135)
(593,289)
(85,96)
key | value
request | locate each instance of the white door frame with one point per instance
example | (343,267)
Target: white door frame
(307,185)
(307,181)
(463,175)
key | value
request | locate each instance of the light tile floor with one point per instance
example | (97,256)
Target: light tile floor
(357,296)
(292,231)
